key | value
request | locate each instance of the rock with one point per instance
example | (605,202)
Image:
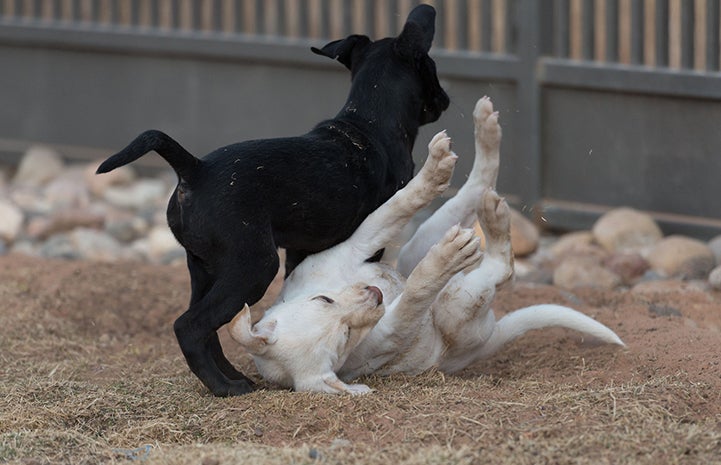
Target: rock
(59,246)
(571,243)
(714,278)
(126,228)
(683,257)
(626,230)
(630,267)
(99,183)
(162,242)
(30,200)
(3,247)
(24,247)
(527,270)
(3,178)
(64,220)
(664,310)
(715,246)
(137,195)
(97,245)
(11,220)
(524,235)
(68,190)
(584,271)
(87,244)
(38,165)
(666,286)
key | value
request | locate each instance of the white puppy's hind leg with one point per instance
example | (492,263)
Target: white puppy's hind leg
(494,216)
(459,249)
(408,320)
(463,312)
(461,208)
(386,222)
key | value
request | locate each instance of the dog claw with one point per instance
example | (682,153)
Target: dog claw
(483,109)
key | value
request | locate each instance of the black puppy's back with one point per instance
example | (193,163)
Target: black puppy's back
(313,189)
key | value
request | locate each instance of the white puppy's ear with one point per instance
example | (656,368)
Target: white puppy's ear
(256,338)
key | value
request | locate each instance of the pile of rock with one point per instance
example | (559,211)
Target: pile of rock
(625,247)
(54,210)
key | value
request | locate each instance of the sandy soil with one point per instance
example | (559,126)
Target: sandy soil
(90,372)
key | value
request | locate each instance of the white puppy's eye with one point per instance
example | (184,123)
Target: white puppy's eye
(325,299)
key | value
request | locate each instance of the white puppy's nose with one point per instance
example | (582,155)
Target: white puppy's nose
(377,292)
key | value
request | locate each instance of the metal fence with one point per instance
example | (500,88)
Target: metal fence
(641,66)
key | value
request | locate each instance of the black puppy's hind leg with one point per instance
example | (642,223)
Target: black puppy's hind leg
(242,279)
(200,282)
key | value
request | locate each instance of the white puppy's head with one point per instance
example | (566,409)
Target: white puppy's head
(296,343)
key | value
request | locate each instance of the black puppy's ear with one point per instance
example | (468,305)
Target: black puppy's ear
(346,51)
(418,31)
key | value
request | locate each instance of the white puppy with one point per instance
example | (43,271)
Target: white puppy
(331,323)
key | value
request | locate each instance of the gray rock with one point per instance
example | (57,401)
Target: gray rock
(714,278)
(86,244)
(97,245)
(715,246)
(30,199)
(59,246)
(11,220)
(127,229)
(42,227)
(68,190)
(161,242)
(99,183)
(140,194)
(664,310)
(38,166)
(24,247)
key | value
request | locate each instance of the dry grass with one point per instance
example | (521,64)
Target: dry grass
(73,393)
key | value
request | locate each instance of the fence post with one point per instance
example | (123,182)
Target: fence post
(530,14)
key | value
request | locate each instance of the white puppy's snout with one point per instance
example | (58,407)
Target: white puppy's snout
(376,293)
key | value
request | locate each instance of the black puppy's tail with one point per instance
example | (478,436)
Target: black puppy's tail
(182,161)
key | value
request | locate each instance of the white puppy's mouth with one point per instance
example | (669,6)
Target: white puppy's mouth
(376,293)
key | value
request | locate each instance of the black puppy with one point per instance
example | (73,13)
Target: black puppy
(233,208)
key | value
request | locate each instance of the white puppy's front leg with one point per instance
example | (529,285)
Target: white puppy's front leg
(461,208)
(387,221)
(463,312)
(330,384)
(458,250)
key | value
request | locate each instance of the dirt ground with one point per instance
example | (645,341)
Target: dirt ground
(90,372)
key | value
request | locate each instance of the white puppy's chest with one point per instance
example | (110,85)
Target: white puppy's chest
(317,277)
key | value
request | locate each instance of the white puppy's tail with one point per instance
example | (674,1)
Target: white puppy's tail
(517,323)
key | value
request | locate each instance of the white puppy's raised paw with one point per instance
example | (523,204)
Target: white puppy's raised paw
(483,109)
(491,133)
(495,215)
(438,168)
(457,250)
